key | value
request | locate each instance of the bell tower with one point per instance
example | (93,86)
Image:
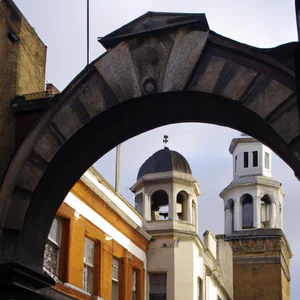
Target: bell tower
(166,193)
(166,196)
(253,207)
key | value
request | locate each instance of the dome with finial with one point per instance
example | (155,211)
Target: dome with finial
(164,160)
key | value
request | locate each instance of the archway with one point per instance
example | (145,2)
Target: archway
(169,74)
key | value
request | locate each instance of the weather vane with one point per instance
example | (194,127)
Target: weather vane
(165,140)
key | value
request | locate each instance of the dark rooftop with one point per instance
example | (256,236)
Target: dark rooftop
(152,22)
(163,161)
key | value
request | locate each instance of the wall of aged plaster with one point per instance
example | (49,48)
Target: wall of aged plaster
(22,71)
(161,260)
(224,257)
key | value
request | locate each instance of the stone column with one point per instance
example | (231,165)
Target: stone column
(256,212)
(228,221)
(172,205)
(237,214)
(273,221)
(189,209)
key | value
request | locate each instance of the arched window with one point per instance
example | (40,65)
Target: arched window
(159,206)
(247,211)
(265,210)
(182,206)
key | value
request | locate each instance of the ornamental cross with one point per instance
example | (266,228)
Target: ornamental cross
(165,140)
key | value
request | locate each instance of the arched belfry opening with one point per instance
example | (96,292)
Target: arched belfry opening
(159,206)
(247,211)
(265,211)
(182,206)
(169,192)
(160,69)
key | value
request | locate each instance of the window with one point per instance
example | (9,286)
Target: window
(133,284)
(255,158)
(158,286)
(199,289)
(235,163)
(182,206)
(247,211)
(159,206)
(246,159)
(88,265)
(115,279)
(52,247)
(265,211)
(267,160)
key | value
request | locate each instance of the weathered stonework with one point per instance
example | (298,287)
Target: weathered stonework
(22,71)
(261,268)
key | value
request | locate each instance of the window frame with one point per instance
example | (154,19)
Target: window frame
(134,285)
(246,160)
(115,280)
(255,158)
(88,287)
(247,199)
(267,161)
(57,243)
(158,274)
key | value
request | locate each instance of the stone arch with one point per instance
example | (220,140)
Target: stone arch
(265,211)
(183,68)
(182,205)
(247,211)
(159,199)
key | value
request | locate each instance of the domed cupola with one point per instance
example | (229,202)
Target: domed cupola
(164,160)
(166,191)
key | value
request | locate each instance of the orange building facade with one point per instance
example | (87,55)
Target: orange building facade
(96,248)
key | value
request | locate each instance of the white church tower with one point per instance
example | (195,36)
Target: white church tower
(166,191)
(253,199)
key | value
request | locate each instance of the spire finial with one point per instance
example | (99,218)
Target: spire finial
(165,140)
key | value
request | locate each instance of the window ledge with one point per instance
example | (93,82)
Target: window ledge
(77,289)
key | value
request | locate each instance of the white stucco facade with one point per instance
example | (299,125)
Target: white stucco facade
(252,179)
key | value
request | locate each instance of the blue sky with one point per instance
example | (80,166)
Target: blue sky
(261,23)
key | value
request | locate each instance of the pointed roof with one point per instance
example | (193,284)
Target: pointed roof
(152,22)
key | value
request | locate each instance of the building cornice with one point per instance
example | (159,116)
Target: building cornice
(261,233)
(236,141)
(248,181)
(175,176)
